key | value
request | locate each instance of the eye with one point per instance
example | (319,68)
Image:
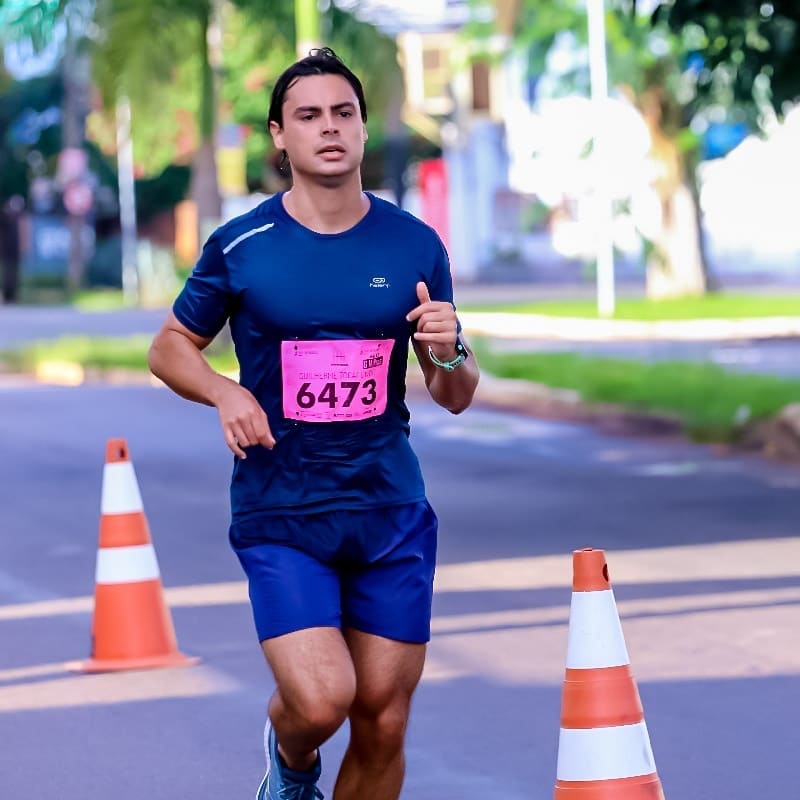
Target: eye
(346,114)
(307,117)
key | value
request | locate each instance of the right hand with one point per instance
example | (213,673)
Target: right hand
(244,422)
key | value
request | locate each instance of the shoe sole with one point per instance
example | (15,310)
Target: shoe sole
(261,794)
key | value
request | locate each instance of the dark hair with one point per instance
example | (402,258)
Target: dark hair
(319,61)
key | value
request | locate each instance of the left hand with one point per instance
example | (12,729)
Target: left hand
(437,326)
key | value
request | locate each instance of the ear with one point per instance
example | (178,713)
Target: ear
(277,134)
(365,134)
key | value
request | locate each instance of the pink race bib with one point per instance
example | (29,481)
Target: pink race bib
(335,380)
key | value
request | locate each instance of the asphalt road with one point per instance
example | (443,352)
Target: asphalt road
(703,552)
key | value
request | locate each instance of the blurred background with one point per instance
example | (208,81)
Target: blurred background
(649,145)
(617,185)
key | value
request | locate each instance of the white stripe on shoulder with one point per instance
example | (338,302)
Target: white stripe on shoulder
(247,235)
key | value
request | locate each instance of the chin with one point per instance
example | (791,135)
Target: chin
(332,174)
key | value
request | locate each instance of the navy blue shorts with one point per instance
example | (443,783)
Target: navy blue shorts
(371,570)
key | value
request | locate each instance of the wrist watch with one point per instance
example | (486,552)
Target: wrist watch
(461,357)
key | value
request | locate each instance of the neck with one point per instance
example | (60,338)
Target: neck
(327,209)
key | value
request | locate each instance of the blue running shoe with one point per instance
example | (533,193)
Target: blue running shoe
(282,783)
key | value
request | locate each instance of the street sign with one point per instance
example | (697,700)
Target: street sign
(72,165)
(78,198)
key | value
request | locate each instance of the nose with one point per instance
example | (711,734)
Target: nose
(330,125)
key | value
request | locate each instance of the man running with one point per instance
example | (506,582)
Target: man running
(323,287)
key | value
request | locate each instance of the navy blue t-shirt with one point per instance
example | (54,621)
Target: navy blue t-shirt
(276,281)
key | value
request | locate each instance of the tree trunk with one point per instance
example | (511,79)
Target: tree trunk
(76,77)
(675,263)
(204,188)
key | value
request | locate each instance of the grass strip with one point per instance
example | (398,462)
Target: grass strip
(711,403)
(712,306)
(128,352)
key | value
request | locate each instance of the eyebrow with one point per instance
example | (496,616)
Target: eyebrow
(338,107)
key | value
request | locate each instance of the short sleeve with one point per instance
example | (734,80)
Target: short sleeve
(206,300)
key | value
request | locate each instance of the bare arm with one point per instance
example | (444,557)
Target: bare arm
(176,357)
(437,328)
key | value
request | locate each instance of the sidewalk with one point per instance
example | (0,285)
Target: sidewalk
(575,329)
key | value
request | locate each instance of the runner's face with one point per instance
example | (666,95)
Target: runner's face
(322,129)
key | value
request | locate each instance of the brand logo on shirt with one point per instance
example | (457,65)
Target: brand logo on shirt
(378,283)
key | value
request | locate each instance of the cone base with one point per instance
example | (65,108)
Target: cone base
(646,787)
(94,665)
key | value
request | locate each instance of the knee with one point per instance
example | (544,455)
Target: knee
(324,708)
(379,732)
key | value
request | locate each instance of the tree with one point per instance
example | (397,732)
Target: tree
(143,47)
(682,62)
(36,23)
(180,62)
(155,51)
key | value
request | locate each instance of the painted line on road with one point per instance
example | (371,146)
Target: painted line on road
(700,644)
(645,607)
(744,560)
(748,559)
(111,688)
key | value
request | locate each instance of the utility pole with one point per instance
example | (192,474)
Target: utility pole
(307,26)
(603,218)
(127,202)
(75,71)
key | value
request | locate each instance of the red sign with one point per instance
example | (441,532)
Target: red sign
(434,197)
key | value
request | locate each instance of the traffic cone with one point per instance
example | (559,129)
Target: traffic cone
(604,749)
(132,627)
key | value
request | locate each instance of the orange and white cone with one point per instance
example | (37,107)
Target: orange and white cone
(132,627)
(604,750)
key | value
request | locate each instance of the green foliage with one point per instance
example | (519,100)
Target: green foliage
(750,49)
(29,19)
(253,57)
(37,95)
(737,57)
(153,53)
(707,399)
(160,193)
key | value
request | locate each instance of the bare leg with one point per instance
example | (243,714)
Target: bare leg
(387,672)
(316,684)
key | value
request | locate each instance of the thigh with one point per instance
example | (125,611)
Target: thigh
(290,590)
(390,593)
(387,671)
(312,668)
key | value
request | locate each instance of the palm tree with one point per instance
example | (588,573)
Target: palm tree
(137,51)
(142,48)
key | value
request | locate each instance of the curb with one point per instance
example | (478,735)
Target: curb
(776,439)
(578,329)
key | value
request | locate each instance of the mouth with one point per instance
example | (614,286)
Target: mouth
(330,148)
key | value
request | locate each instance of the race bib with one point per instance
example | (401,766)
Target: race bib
(335,380)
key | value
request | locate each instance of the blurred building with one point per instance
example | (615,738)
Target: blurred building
(458,103)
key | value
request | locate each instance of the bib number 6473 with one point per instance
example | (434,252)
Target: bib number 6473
(338,395)
(335,380)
